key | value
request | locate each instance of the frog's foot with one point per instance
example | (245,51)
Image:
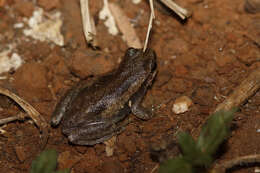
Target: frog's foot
(141,112)
(82,136)
(82,141)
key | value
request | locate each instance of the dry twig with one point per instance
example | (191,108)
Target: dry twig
(32,113)
(125,26)
(246,89)
(152,16)
(110,146)
(155,168)
(88,23)
(221,168)
(20,116)
(182,12)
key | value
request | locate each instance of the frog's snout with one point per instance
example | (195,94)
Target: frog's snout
(150,59)
(131,51)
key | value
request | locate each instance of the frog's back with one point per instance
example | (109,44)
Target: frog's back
(103,98)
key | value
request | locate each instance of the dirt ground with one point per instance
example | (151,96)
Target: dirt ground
(203,58)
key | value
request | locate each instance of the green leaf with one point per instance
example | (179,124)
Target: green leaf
(187,144)
(199,154)
(191,152)
(178,165)
(63,171)
(46,162)
(215,131)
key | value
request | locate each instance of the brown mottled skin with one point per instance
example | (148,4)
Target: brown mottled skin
(92,112)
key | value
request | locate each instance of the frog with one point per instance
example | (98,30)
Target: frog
(95,110)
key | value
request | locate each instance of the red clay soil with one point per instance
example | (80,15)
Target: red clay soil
(203,58)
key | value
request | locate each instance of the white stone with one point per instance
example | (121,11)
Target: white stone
(105,14)
(136,1)
(18,25)
(7,63)
(45,29)
(181,104)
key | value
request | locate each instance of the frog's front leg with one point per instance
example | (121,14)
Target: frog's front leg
(138,110)
(135,103)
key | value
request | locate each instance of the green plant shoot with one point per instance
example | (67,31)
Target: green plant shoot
(198,154)
(46,162)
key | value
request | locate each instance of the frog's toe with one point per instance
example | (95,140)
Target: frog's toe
(141,112)
(83,141)
(83,137)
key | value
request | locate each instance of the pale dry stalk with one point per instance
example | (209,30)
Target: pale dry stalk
(246,89)
(88,23)
(152,17)
(20,116)
(125,26)
(31,112)
(180,11)
(244,160)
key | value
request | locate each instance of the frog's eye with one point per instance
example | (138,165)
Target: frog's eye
(131,52)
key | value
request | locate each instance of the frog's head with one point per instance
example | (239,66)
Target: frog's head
(149,57)
(137,58)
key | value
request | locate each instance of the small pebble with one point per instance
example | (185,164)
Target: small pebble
(257,169)
(18,25)
(20,153)
(136,1)
(181,104)
(110,144)
(2,131)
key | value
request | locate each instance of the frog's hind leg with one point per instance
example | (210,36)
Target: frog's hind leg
(84,140)
(82,137)
(90,142)
(65,102)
